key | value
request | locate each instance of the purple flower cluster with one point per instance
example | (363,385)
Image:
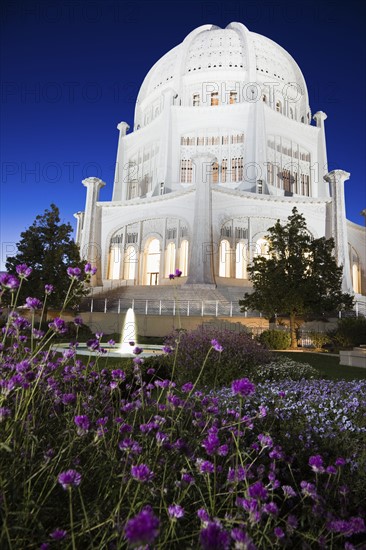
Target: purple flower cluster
(143,528)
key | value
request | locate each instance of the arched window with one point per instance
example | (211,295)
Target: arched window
(170,259)
(129,264)
(114,262)
(279,107)
(183,258)
(264,98)
(224,259)
(240,261)
(152,262)
(262,247)
(355,267)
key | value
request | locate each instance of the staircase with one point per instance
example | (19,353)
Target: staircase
(169,300)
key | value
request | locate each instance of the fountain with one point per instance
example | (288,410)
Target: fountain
(126,346)
(129,334)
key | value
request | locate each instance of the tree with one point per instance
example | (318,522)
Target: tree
(298,276)
(48,248)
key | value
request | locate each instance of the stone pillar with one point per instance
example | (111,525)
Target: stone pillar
(322,169)
(201,271)
(338,224)
(121,172)
(91,249)
(79,227)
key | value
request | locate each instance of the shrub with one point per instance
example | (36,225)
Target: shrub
(350,332)
(240,356)
(319,339)
(275,339)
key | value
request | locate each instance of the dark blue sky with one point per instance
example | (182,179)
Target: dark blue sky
(71,71)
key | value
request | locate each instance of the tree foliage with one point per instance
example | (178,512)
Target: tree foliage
(298,276)
(48,248)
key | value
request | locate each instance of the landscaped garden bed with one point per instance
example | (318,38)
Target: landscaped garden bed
(213,447)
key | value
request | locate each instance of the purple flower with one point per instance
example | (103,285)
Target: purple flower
(257,490)
(205,466)
(203,515)
(74,272)
(70,478)
(143,528)
(137,350)
(167,349)
(33,303)
(340,462)
(9,281)
(271,508)
(242,387)
(186,388)
(142,473)
(279,533)
(216,346)
(288,491)
(213,537)
(48,289)
(4,413)
(171,276)
(130,445)
(316,463)
(175,511)
(177,273)
(58,534)
(118,374)
(23,271)
(78,321)
(89,270)
(82,422)
(58,325)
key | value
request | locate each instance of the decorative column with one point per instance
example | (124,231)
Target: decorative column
(338,224)
(121,172)
(201,270)
(323,189)
(79,227)
(90,247)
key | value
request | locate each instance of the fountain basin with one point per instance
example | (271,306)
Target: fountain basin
(112,351)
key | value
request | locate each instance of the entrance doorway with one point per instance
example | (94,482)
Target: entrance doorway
(154,279)
(153,262)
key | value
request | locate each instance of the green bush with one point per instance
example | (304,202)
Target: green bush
(275,339)
(240,356)
(350,332)
(319,339)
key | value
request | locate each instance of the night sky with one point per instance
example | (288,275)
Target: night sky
(71,72)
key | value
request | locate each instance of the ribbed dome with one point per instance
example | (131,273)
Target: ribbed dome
(230,54)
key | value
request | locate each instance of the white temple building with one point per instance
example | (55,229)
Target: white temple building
(223,144)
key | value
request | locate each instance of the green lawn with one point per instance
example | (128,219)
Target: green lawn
(327,365)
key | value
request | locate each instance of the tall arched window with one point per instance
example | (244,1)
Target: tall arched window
(170,259)
(240,261)
(152,262)
(183,258)
(355,267)
(224,259)
(114,262)
(129,264)
(279,106)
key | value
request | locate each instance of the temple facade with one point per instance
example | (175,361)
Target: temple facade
(223,144)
